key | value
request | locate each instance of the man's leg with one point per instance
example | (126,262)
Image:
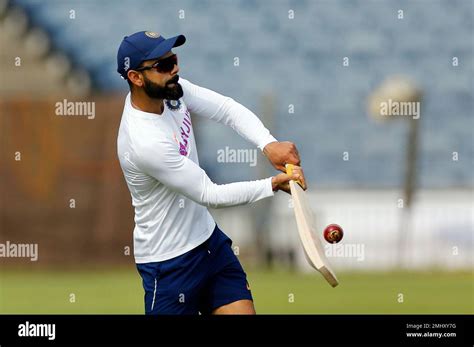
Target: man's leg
(236,307)
(174,286)
(227,290)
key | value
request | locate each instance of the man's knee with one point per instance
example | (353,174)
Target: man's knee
(236,307)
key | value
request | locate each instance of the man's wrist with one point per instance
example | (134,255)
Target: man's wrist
(264,144)
(274,184)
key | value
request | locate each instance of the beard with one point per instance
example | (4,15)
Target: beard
(167,92)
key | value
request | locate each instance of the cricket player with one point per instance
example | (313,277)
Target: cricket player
(186,262)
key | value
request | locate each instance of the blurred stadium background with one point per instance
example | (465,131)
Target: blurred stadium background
(291,73)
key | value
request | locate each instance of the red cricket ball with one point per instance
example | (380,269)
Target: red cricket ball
(333,233)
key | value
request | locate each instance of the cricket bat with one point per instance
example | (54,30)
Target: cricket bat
(312,244)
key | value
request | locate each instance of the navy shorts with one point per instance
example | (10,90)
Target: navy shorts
(199,281)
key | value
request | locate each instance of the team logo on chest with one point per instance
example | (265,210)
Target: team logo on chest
(173,105)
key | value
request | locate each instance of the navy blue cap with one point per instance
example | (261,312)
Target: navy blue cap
(141,46)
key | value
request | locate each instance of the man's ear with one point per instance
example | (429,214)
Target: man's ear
(135,78)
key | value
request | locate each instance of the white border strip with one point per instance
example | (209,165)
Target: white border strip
(154,294)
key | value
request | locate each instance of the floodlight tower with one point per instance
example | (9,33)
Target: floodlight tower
(401,94)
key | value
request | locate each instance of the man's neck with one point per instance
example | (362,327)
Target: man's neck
(146,104)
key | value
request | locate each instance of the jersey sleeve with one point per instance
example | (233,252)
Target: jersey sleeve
(162,160)
(207,103)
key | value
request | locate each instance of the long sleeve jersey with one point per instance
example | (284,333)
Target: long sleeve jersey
(170,191)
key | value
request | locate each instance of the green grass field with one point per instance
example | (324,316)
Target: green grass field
(120,291)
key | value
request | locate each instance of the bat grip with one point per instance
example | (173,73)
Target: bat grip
(289,172)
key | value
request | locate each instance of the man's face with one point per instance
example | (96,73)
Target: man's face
(162,85)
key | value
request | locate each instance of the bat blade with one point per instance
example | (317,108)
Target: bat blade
(311,243)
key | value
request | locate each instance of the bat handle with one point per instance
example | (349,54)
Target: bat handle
(289,172)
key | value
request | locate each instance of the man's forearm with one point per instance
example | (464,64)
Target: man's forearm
(237,193)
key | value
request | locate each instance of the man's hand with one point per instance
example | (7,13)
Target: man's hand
(281,181)
(281,153)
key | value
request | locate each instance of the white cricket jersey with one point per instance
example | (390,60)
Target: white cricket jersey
(170,192)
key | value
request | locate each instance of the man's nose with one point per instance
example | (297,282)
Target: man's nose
(175,69)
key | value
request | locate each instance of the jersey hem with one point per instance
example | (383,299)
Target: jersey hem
(196,242)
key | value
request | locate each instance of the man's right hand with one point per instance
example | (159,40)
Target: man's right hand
(281,181)
(281,153)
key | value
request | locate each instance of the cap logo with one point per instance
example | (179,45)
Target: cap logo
(152,34)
